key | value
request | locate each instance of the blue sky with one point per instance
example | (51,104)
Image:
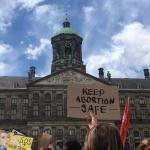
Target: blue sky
(116,35)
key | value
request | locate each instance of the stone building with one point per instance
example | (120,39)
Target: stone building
(34,105)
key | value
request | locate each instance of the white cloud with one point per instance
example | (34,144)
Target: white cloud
(129,52)
(5,48)
(88,12)
(4,68)
(108,5)
(29,3)
(5,52)
(51,16)
(7,10)
(6,14)
(34,52)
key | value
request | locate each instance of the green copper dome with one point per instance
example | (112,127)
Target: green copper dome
(66,29)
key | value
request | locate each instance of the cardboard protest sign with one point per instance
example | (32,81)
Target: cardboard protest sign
(100,99)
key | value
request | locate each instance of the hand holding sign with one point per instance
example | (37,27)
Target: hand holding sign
(92,121)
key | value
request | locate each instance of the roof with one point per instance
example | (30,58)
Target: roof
(65,30)
(131,83)
(11,82)
(71,68)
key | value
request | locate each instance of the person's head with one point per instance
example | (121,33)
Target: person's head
(104,136)
(144,145)
(45,141)
(59,146)
(72,145)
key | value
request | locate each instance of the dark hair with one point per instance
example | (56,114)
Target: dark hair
(104,136)
(73,145)
(144,145)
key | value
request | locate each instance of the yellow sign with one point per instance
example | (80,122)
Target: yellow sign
(18,142)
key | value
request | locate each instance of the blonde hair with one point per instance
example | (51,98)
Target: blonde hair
(144,144)
(44,141)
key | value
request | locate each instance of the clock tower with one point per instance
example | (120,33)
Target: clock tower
(66,47)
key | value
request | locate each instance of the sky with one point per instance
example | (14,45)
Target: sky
(116,35)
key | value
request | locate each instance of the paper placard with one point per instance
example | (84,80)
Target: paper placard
(101,99)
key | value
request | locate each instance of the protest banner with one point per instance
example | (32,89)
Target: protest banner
(17,132)
(19,142)
(100,99)
(4,139)
(11,141)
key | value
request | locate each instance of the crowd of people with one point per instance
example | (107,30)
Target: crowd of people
(103,136)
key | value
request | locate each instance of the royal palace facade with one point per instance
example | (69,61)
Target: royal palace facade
(33,105)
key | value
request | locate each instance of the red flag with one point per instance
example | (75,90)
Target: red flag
(125,121)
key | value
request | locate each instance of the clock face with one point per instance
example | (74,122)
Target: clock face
(67,44)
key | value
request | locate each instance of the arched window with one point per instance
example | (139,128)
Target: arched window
(59,110)
(59,134)
(48,97)
(68,50)
(48,131)
(35,131)
(83,133)
(136,134)
(72,132)
(47,111)
(58,54)
(35,96)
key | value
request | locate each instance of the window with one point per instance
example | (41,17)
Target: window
(59,134)
(136,134)
(119,86)
(126,146)
(35,96)
(47,111)
(58,54)
(142,101)
(13,114)
(146,134)
(48,130)
(14,101)
(83,133)
(25,101)
(35,110)
(48,97)
(59,97)
(1,113)
(122,100)
(143,114)
(133,114)
(136,144)
(2,100)
(35,132)
(59,110)
(132,101)
(71,132)
(139,86)
(68,49)
(121,113)
(24,112)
